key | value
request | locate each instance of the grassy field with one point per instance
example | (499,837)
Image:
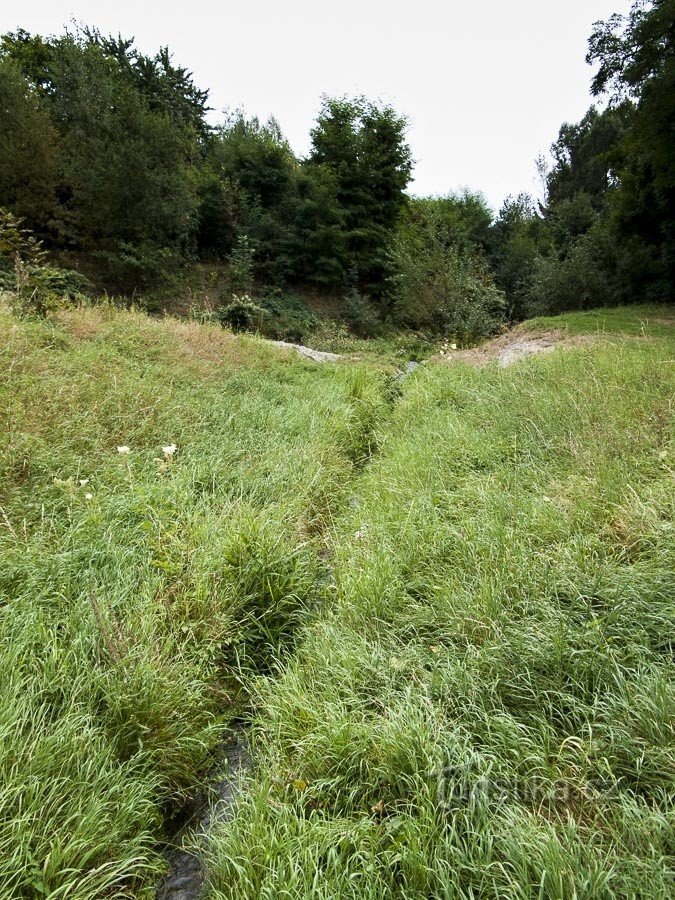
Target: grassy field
(445,603)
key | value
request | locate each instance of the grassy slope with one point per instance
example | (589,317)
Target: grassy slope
(485,706)
(500,608)
(129,618)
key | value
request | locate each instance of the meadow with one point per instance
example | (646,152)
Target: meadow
(444,603)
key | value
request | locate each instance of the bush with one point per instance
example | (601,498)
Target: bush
(134,266)
(241,266)
(361,317)
(242,314)
(35,288)
(580,279)
(443,290)
(289,319)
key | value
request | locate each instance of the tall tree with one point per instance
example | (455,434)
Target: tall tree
(636,57)
(363,144)
(126,179)
(28,150)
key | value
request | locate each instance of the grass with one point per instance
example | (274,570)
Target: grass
(618,321)
(445,604)
(138,591)
(484,707)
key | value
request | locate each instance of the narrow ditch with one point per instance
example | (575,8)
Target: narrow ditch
(187,875)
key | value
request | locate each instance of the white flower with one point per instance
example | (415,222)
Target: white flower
(169,450)
(123,449)
(83,481)
(453,346)
(88,496)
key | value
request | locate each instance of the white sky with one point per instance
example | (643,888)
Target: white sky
(485,84)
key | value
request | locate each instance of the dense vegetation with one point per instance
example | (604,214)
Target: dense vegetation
(439,597)
(106,154)
(457,583)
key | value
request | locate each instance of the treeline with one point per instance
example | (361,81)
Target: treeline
(107,152)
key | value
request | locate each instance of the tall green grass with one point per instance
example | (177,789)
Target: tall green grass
(140,591)
(445,602)
(484,706)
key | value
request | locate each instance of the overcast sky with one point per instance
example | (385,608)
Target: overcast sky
(484,85)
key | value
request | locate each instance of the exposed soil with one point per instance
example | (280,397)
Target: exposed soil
(515,344)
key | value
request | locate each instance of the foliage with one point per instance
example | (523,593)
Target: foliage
(363,145)
(360,315)
(289,317)
(519,236)
(441,287)
(587,156)
(124,151)
(28,149)
(242,314)
(461,220)
(107,152)
(240,267)
(35,287)
(127,267)
(636,57)
(579,278)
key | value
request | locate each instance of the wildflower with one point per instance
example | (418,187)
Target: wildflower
(83,481)
(453,346)
(169,450)
(123,449)
(88,496)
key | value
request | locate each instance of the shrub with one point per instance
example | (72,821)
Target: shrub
(134,266)
(34,287)
(242,314)
(443,290)
(361,317)
(289,318)
(241,266)
(579,279)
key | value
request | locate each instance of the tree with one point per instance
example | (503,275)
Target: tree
(363,145)
(256,170)
(587,156)
(463,219)
(440,286)
(29,153)
(636,57)
(519,237)
(126,174)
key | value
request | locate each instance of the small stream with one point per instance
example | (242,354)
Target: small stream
(187,876)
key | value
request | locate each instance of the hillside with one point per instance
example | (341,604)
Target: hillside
(442,604)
